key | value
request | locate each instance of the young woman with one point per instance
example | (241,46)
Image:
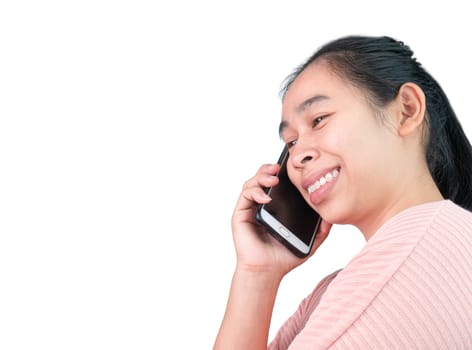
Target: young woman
(365,107)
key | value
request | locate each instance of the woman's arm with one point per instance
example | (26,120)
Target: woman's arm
(262,262)
(249,311)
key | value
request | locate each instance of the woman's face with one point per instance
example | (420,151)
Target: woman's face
(343,158)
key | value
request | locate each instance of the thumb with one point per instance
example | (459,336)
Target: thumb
(323,232)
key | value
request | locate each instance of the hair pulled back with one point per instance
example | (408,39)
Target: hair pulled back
(380,66)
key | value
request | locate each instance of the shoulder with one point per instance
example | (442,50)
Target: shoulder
(292,327)
(361,281)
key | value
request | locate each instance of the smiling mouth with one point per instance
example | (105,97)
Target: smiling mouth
(328,177)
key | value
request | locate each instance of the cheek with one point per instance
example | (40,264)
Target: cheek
(296,179)
(351,146)
(338,141)
(294,176)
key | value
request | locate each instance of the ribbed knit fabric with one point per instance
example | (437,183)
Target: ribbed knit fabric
(410,287)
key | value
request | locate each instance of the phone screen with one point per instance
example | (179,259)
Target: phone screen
(288,216)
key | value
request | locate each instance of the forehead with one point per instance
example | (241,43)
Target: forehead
(316,79)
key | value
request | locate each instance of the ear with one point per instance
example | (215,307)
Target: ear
(412,108)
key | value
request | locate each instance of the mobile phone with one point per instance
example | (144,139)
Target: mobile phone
(288,217)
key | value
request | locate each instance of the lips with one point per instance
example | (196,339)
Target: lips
(323,180)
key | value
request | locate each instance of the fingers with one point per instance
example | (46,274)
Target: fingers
(265,177)
(323,230)
(321,235)
(253,190)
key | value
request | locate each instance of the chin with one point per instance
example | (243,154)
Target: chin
(334,213)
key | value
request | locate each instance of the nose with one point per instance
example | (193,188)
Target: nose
(303,154)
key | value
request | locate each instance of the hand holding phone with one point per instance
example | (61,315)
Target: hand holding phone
(288,217)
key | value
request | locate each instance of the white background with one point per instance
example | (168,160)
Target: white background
(127,129)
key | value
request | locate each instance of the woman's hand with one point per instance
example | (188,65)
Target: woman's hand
(262,262)
(256,249)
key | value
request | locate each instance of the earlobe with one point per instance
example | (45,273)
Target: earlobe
(412,110)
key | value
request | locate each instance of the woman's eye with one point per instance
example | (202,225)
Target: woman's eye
(318,120)
(291,143)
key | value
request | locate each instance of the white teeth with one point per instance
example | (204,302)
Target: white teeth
(323,180)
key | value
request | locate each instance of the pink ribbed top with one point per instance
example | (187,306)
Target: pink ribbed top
(410,287)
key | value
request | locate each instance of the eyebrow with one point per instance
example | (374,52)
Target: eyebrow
(309,101)
(301,108)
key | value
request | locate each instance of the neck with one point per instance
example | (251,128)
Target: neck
(422,190)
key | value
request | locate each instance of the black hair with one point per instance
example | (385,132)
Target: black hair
(380,66)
